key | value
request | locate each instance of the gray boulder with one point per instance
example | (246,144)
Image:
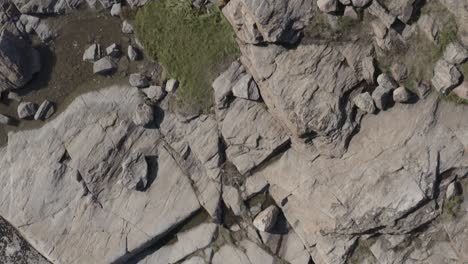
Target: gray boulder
(138,80)
(401,95)
(386,81)
(224,84)
(455,53)
(45,110)
(155,93)
(92,53)
(18,61)
(144,115)
(266,219)
(113,51)
(104,66)
(446,76)
(382,97)
(232,199)
(365,102)
(327,6)
(127,28)
(171,85)
(26,109)
(132,53)
(134,172)
(399,71)
(5,120)
(246,88)
(116,9)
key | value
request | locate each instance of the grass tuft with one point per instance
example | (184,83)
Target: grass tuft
(192,45)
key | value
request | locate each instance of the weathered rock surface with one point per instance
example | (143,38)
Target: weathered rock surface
(132,53)
(138,80)
(155,93)
(401,95)
(18,61)
(251,134)
(246,88)
(365,102)
(127,28)
(266,219)
(291,81)
(455,53)
(187,242)
(80,150)
(228,254)
(92,53)
(144,115)
(27,109)
(331,201)
(270,21)
(42,6)
(446,76)
(104,66)
(134,172)
(45,110)
(171,86)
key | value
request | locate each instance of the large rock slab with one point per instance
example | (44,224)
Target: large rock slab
(306,89)
(268,21)
(400,153)
(18,61)
(251,133)
(61,186)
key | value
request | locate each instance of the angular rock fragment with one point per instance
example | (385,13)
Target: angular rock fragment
(327,6)
(113,51)
(138,80)
(153,92)
(171,86)
(26,109)
(116,9)
(399,71)
(255,253)
(446,76)
(5,120)
(144,115)
(134,172)
(18,61)
(232,199)
(14,97)
(382,97)
(401,95)
(104,66)
(266,219)
(92,53)
(127,28)
(377,10)
(386,81)
(132,53)
(351,12)
(452,190)
(365,102)
(246,88)
(455,53)
(45,110)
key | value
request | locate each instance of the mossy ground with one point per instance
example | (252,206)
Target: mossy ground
(192,45)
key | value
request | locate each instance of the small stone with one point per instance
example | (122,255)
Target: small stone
(45,110)
(386,81)
(14,97)
(92,53)
(351,12)
(360,3)
(453,189)
(232,199)
(104,66)
(171,85)
(116,9)
(44,32)
(327,6)
(246,88)
(266,220)
(155,93)
(113,51)
(135,172)
(399,71)
(127,28)
(26,109)
(382,97)
(446,77)
(132,53)
(144,115)
(401,95)
(455,53)
(5,120)
(364,102)
(138,80)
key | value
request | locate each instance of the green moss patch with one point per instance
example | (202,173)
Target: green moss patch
(192,46)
